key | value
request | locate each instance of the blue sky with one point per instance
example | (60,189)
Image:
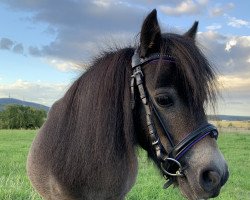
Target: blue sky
(45,45)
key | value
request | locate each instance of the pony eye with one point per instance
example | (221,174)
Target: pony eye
(164,101)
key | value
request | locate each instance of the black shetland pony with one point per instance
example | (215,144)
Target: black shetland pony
(152,96)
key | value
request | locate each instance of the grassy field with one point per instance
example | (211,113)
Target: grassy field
(14,185)
(244,125)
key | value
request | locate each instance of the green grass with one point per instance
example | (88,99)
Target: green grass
(14,184)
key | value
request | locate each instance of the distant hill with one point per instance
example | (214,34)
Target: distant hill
(228,118)
(9,101)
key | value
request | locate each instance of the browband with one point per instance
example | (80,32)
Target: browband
(137,61)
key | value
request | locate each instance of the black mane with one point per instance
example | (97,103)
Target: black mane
(96,109)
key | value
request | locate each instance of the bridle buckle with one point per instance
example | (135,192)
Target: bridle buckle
(171,162)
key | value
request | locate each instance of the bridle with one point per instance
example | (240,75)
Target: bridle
(169,161)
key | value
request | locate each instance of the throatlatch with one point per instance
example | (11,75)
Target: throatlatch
(170,162)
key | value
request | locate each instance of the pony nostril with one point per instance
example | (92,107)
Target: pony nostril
(210,180)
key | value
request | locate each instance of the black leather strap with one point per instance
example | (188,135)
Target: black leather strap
(180,149)
(162,124)
(137,61)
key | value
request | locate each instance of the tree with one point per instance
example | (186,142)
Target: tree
(24,117)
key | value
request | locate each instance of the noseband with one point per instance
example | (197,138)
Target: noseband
(169,161)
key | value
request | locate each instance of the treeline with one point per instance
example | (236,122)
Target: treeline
(21,117)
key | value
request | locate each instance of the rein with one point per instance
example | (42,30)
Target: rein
(169,161)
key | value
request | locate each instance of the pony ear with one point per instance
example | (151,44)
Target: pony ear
(150,37)
(191,33)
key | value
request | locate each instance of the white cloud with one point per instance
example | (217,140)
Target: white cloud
(229,53)
(219,9)
(211,36)
(103,3)
(78,29)
(230,44)
(186,7)
(235,95)
(64,65)
(233,82)
(214,27)
(231,56)
(237,23)
(44,93)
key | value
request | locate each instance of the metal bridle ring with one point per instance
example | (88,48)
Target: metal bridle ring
(177,173)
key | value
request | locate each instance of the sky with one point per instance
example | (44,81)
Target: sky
(45,45)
